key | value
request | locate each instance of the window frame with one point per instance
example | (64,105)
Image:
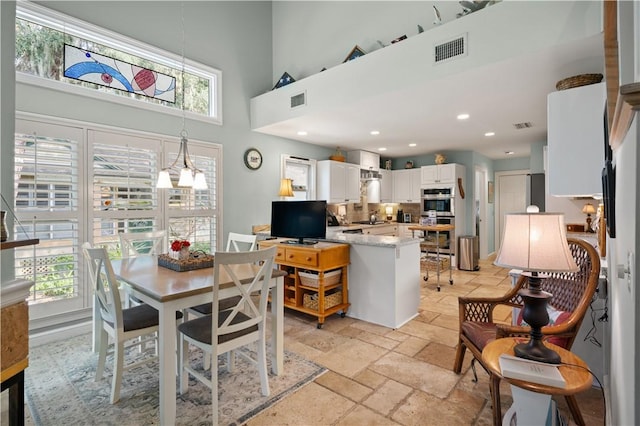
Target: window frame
(78,28)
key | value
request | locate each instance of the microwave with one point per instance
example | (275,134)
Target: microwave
(441,200)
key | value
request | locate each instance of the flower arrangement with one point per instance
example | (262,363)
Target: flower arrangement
(178,245)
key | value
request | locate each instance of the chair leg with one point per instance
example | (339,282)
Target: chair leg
(231,360)
(116,380)
(102,354)
(457,365)
(473,369)
(494,387)
(262,367)
(574,409)
(214,387)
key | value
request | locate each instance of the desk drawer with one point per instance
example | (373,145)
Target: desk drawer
(301,257)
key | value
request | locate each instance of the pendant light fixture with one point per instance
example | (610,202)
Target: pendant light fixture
(190,176)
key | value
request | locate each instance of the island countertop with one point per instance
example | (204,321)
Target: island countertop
(372,240)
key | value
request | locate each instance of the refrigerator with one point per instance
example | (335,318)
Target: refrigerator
(536,190)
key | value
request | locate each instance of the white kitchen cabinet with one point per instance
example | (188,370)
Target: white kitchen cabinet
(575,140)
(386,186)
(441,173)
(365,159)
(402,230)
(406,186)
(338,182)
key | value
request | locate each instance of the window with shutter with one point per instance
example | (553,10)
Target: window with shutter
(77,184)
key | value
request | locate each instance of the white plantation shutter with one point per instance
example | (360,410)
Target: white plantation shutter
(47,206)
(122,186)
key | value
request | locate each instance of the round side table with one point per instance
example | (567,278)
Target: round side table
(531,400)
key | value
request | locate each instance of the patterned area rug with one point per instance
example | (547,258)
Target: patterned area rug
(60,389)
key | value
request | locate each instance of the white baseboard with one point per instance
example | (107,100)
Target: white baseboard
(61,333)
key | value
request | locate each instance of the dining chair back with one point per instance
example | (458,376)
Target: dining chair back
(121,325)
(134,244)
(248,272)
(241,242)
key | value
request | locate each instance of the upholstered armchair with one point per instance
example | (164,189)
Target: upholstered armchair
(572,292)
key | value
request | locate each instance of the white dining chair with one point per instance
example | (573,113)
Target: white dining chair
(121,325)
(241,242)
(134,244)
(231,329)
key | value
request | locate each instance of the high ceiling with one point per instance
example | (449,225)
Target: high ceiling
(496,97)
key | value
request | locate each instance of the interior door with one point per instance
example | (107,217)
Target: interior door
(480,212)
(510,196)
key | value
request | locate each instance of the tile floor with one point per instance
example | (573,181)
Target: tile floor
(380,376)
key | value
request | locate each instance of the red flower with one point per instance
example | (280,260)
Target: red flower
(177,245)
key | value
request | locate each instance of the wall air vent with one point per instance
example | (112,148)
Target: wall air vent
(451,49)
(298,100)
(524,125)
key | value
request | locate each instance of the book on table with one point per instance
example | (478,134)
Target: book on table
(531,371)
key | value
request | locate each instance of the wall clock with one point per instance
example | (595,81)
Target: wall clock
(252,159)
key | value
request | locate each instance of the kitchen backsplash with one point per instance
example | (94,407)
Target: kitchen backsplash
(356,212)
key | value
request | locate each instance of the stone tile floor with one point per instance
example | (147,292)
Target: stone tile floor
(380,376)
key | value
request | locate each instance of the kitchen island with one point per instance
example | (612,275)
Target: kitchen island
(384,278)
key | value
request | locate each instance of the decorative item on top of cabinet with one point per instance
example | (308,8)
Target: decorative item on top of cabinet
(440,159)
(337,156)
(356,52)
(283,81)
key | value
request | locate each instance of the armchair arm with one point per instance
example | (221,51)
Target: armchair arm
(481,308)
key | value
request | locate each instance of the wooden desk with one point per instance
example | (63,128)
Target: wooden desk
(437,229)
(169,291)
(532,399)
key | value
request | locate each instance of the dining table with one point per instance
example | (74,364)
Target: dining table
(170,291)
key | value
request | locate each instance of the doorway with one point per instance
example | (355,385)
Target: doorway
(510,197)
(480,211)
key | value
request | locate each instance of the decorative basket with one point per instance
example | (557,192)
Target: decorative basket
(310,301)
(310,279)
(195,261)
(578,80)
(430,262)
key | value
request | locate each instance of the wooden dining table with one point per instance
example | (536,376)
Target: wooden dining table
(169,291)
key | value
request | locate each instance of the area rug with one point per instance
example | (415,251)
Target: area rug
(60,389)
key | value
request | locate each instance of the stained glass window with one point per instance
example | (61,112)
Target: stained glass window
(55,47)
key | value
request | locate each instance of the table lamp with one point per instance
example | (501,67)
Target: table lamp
(389,211)
(286,188)
(589,210)
(535,243)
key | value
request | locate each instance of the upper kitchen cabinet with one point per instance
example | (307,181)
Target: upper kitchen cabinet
(386,186)
(575,136)
(338,182)
(367,160)
(441,173)
(406,186)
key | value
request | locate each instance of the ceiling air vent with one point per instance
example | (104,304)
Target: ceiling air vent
(524,125)
(451,49)
(298,100)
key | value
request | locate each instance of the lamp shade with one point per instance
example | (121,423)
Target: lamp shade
(535,242)
(286,189)
(588,209)
(164,180)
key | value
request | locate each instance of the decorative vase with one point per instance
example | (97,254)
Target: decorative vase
(3,226)
(184,253)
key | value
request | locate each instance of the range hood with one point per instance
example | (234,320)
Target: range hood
(371,181)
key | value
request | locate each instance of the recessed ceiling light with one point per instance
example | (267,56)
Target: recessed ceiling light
(490,134)
(302,133)
(375,132)
(413,144)
(382,149)
(463,116)
(509,152)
